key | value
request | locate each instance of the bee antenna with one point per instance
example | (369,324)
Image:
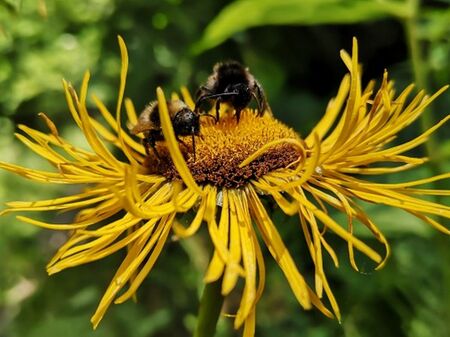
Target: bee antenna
(231,93)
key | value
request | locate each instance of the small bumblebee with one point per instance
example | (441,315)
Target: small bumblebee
(232,83)
(185,122)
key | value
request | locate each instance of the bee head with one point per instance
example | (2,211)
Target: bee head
(242,96)
(186,122)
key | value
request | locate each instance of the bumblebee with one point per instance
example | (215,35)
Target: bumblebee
(232,83)
(185,122)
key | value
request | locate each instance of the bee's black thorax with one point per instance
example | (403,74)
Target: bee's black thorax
(229,74)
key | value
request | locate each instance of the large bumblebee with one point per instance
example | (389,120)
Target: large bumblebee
(232,83)
(185,123)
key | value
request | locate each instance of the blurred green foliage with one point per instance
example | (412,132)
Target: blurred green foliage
(292,12)
(293,48)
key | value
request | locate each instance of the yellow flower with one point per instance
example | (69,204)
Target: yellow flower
(133,204)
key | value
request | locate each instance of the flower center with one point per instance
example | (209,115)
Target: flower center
(221,147)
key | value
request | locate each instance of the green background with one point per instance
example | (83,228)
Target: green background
(292,47)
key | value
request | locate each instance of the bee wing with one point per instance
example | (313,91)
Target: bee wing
(262,100)
(142,127)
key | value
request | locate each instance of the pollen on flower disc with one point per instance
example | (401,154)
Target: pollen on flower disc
(221,147)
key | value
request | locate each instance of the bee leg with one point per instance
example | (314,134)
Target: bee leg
(156,152)
(185,145)
(193,142)
(261,99)
(198,103)
(218,101)
(238,114)
(146,143)
(180,141)
(203,98)
(260,106)
(149,143)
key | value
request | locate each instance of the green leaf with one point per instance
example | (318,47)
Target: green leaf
(244,14)
(12,5)
(435,24)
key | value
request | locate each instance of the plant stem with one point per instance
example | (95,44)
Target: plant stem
(209,311)
(420,71)
(421,77)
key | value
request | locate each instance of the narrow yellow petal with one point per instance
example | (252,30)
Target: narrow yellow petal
(123,72)
(44,152)
(217,265)
(249,261)
(249,326)
(392,198)
(311,165)
(407,184)
(123,79)
(50,125)
(332,111)
(187,98)
(326,220)
(432,222)
(127,140)
(51,226)
(94,251)
(147,267)
(60,200)
(355,211)
(48,177)
(172,144)
(372,170)
(89,132)
(131,112)
(231,273)
(278,250)
(70,96)
(330,251)
(132,261)
(314,245)
(185,232)
(45,205)
(289,208)
(270,145)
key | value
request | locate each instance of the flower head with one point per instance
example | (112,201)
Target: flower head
(134,204)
